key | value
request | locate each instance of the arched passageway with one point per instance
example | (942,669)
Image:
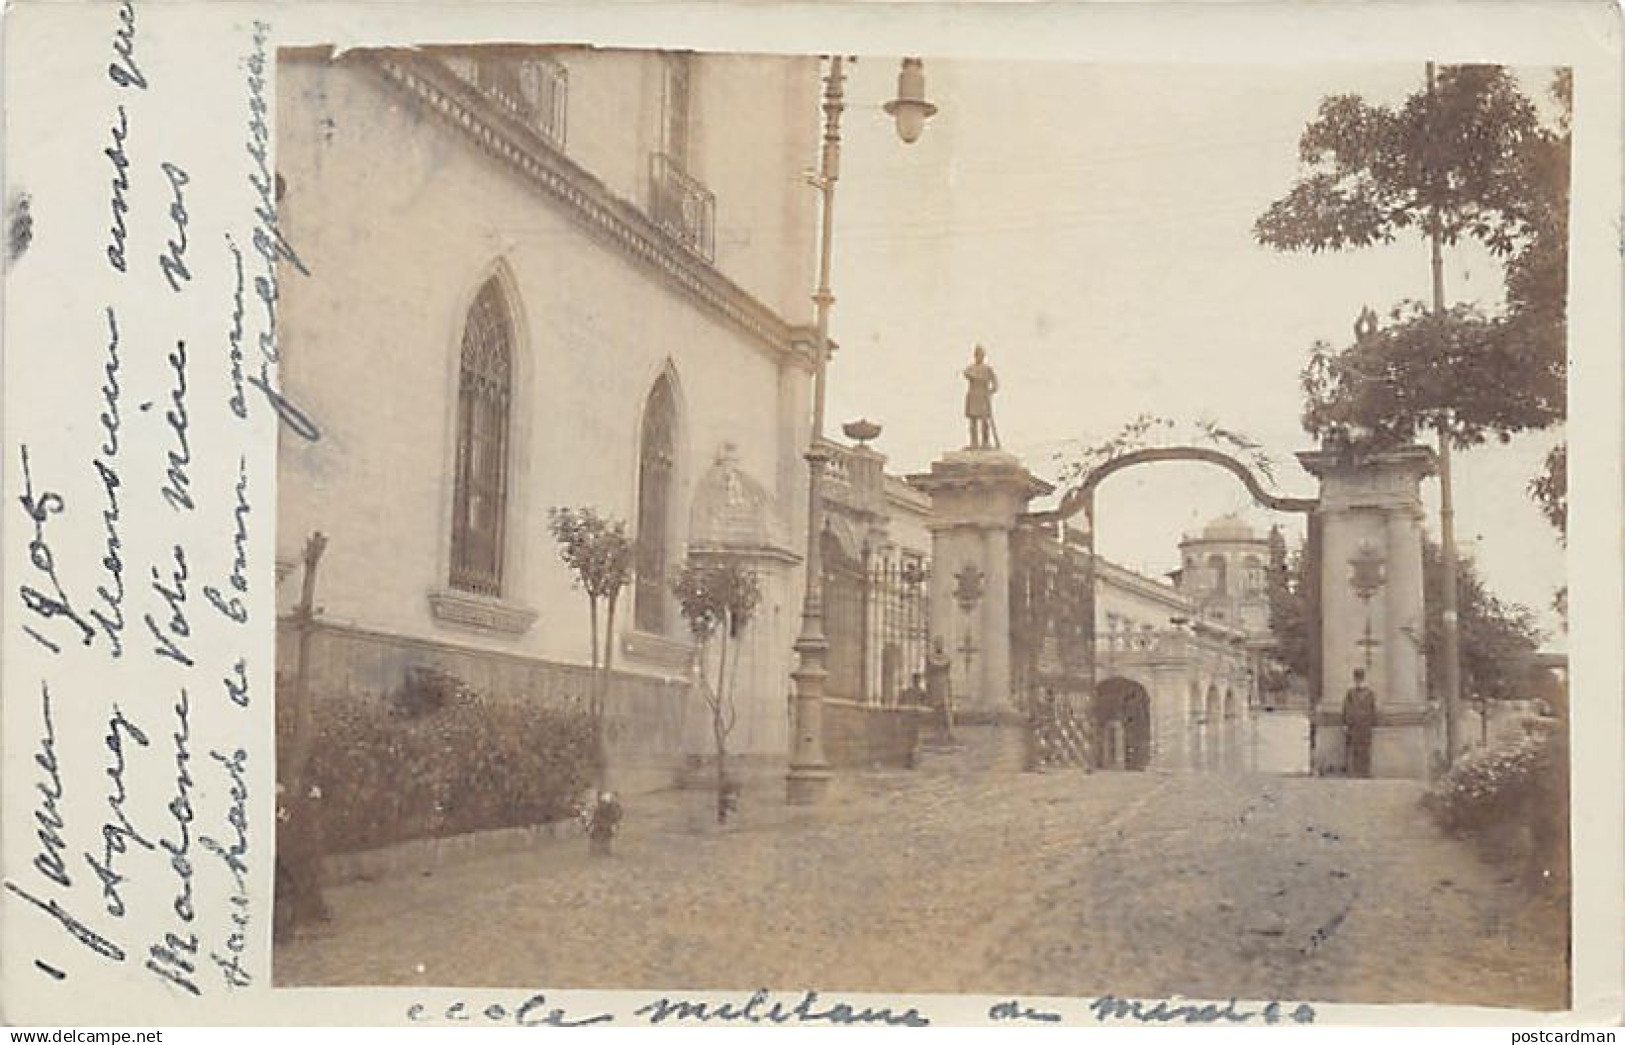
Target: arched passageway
(1123,724)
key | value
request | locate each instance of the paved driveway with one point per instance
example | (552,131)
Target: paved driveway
(948,880)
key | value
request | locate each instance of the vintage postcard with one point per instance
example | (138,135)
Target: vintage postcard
(818,515)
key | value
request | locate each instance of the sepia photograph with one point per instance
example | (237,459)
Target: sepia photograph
(919,525)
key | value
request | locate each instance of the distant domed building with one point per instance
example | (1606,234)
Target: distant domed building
(1223,572)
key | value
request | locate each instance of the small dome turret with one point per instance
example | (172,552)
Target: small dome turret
(731,509)
(1229,527)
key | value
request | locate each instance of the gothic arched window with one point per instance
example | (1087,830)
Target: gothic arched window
(657,458)
(484,388)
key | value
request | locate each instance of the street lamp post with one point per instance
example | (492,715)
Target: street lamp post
(809,772)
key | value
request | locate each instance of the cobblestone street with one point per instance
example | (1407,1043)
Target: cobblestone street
(951,880)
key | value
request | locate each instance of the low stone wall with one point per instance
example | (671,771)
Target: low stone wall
(648,719)
(865,736)
(994,743)
(425,855)
(1402,743)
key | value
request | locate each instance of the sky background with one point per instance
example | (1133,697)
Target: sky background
(1091,225)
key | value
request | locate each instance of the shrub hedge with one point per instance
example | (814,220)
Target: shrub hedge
(1512,799)
(439,759)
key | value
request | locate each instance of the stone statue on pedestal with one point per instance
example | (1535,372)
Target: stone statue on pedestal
(981,382)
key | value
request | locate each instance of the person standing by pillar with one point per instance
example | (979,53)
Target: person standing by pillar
(939,687)
(1359,719)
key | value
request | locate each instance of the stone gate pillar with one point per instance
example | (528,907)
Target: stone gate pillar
(1171,727)
(976,496)
(1371,575)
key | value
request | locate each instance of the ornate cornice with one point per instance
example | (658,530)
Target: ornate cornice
(587,200)
(1419,461)
(752,553)
(1144,586)
(804,346)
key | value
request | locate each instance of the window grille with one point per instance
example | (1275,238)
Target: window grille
(678,202)
(533,89)
(683,206)
(657,457)
(481,494)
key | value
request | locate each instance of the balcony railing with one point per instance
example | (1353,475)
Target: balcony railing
(1128,641)
(533,89)
(682,206)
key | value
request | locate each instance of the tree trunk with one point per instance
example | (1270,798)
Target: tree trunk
(732,686)
(594,681)
(592,610)
(600,741)
(718,733)
(302,845)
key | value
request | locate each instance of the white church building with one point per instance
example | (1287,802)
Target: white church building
(519,299)
(545,278)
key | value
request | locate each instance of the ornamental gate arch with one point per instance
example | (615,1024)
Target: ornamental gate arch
(1021,644)
(1369,511)
(1210,714)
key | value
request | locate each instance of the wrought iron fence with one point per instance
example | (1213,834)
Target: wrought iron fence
(533,89)
(877,623)
(682,206)
(845,603)
(901,625)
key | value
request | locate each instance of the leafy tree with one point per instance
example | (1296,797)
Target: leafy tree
(1551,489)
(718,600)
(598,551)
(1455,372)
(1468,159)
(1289,612)
(1537,275)
(1449,157)
(1498,639)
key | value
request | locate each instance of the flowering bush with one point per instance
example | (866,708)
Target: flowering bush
(386,774)
(1513,800)
(427,690)
(1486,786)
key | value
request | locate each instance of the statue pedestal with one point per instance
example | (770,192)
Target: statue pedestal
(976,496)
(1371,613)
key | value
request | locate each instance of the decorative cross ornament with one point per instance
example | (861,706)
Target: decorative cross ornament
(1369,574)
(1368,643)
(968,650)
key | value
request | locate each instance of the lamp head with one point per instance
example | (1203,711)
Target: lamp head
(910,108)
